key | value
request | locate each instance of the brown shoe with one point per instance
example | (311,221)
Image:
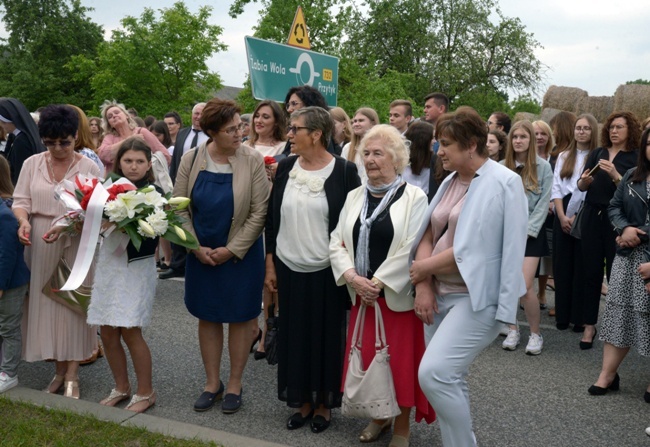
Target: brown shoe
(551,312)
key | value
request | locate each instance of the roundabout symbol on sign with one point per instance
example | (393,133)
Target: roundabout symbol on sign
(305,58)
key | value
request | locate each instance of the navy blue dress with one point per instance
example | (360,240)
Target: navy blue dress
(230,292)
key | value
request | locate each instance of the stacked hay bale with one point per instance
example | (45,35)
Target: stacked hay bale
(634,98)
(599,106)
(564,98)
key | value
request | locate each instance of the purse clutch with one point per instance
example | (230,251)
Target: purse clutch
(75,300)
(369,393)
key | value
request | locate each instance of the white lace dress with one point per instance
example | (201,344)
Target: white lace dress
(123,291)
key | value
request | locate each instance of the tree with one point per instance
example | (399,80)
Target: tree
(156,63)
(325,21)
(44,35)
(465,48)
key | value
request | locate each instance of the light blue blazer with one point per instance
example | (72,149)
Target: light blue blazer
(490,238)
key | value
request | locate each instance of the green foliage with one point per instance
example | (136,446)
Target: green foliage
(325,26)
(639,81)
(525,103)
(44,35)
(156,63)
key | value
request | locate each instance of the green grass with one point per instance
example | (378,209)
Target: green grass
(25,425)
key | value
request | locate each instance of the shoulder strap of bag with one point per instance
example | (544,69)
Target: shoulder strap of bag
(380,331)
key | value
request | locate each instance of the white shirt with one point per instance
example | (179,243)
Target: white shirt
(303,240)
(563,187)
(188,141)
(421,181)
(361,169)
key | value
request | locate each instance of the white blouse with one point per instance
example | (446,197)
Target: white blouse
(563,187)
(361,169)
(303,240)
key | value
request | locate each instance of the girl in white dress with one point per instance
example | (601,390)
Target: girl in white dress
(122,296)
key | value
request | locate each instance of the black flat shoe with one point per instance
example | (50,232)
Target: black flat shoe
(231,403)
(256,341)
(562,326)
(297,420)
(599,391)
(584,345)
(646,397)
(578,328)
(259,355)
(319,424)
(171,273)
(207,399)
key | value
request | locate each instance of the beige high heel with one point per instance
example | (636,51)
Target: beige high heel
(373,430)
(399,441)
(71,389)
(57,378)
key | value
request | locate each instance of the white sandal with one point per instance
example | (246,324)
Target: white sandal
(115,397)
(136,399)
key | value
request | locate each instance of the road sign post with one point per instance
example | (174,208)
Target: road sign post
(274,68)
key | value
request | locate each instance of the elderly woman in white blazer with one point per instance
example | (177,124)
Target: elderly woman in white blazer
(369,252)
(466,267)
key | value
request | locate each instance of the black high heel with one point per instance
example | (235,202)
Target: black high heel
(256,341)
(599,391)
(588,344)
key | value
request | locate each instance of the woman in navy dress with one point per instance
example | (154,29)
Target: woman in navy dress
(224,276)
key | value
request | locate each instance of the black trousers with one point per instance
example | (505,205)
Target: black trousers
(179,255)
(567,273)
(598,247)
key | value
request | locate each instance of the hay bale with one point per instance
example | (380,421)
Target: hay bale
(633,98)
(548,114)
(519,116)
(563,98)
(599,106)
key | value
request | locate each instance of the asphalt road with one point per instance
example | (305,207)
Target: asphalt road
(517,400)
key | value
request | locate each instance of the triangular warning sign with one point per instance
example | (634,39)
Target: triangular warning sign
(299,36)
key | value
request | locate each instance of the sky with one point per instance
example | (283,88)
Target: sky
(595,45)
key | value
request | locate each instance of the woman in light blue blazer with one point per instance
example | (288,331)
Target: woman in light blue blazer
(537,178)
(466,267)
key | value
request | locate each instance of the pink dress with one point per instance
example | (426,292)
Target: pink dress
(50,330)
(107,155)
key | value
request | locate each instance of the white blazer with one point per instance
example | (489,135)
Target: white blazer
(490,238)
(406,215)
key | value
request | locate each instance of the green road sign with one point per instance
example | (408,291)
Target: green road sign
(275,68)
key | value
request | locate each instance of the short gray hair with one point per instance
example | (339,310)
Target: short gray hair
(316,118)
(393,143)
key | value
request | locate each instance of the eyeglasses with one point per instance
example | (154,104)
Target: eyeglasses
(294,104)
(583,129)
(63,144)
(294,129)
(489,123)
(234,129)
(617,127)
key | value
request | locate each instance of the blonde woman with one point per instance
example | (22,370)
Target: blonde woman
(537,177)
(342,126)
(118,126)
(545,142)
(364,119)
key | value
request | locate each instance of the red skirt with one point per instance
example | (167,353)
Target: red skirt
(405,339)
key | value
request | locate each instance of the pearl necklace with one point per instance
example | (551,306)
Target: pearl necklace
(51,169)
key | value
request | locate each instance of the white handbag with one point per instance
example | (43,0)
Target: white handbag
(369,393)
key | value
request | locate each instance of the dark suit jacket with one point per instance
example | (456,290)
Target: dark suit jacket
(344,178)
(19,151)
(181,136)
(13,270)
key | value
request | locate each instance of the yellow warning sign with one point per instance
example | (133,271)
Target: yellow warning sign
(298,36)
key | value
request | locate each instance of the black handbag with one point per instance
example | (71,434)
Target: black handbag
(271,339)
(576,226)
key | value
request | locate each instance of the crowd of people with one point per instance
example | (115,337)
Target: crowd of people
(444,225)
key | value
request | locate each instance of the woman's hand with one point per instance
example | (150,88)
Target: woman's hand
(629,238)
(270,278)
(270,171)
(608,167)
(586,180)
(221,255)
(566,223)
(52,235)
(418,272)
(203,255)
(425,304)
(366,289)
(24,230)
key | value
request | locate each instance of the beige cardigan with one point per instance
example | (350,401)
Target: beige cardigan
(250,188)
